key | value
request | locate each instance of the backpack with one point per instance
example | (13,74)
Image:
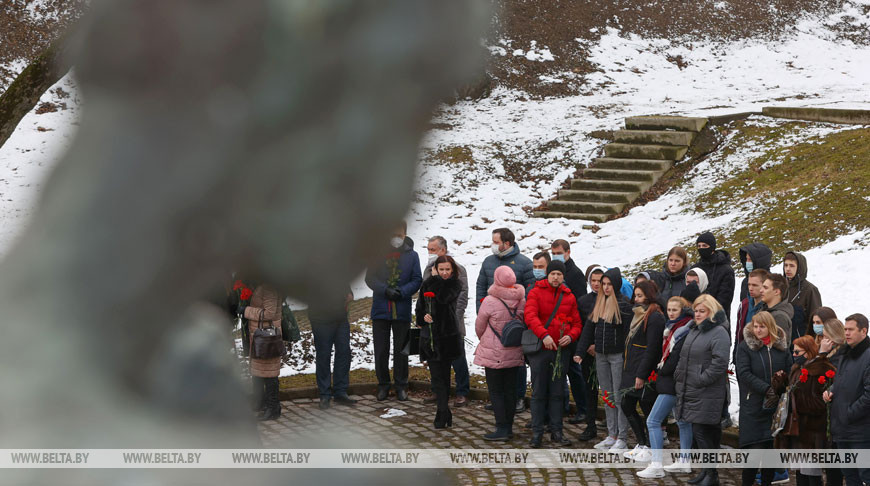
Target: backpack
(512,333)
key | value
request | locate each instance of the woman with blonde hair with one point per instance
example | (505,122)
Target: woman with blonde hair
(762,355)
(832,343)
(607,328)
(701,378)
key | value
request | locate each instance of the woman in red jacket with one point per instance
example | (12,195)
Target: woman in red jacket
(551,313)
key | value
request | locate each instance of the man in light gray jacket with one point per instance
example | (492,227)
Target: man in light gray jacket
(437,247)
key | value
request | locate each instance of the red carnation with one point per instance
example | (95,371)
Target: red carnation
(803,378)
(652,377)
(237,285)
(429,294)
(395,255)
(246,293)
(830,373)
(804,371)
(822,380)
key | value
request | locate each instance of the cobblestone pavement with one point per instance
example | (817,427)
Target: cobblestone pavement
(303,423)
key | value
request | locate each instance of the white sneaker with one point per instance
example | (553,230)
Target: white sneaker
(653,471)
(679,467)
(630,454)
(606,443)
(644,454)
(618,446)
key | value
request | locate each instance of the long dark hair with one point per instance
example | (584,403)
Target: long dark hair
(447,259)
(651,297)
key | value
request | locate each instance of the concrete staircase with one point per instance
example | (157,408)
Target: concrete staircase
(638,156)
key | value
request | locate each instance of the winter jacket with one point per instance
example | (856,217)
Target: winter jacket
(701,376)
(462,301)
(850,407)
(808,413)
(575,279)
(761,255)
(747,308)
(539,306)
(643,350)
(493,315)
(782,314)
(756,364)
(608,337)
(803,296)
(410,278)
(669,284)
(440,340)
(264,310)
(520,264)
(721,277)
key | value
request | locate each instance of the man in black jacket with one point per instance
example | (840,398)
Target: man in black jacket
(717,265)
(850,397)
(576,281)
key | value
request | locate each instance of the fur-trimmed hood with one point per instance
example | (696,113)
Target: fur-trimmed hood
(720,319)
(755,344)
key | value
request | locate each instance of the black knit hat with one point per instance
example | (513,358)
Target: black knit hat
(708,238)
(556,265)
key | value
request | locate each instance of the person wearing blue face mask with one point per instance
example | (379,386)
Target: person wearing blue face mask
(819,317)
(539,268)
(754,256)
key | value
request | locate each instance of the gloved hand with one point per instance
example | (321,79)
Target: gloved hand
(240,310)
(771,399)
(393,293)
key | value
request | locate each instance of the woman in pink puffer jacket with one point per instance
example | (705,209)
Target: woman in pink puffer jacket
(501,363)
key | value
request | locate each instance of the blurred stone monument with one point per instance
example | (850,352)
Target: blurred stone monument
(276,138)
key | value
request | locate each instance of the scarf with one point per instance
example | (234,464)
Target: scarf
(676,332)
(766,341)
(636,321)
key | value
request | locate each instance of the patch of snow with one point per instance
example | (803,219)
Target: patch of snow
(393,412)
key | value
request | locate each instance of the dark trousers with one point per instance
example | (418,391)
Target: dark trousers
(522,382)
(766,473)
(591,387)
(501,383)
(440,371)
(578,385)
(646,398)
(326,336)
(834,475)
(547,393)
(381,336)
(463,380)
(707,436)
(854,477)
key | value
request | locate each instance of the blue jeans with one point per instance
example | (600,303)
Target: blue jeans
(855,476)
(326,336)
(659,413)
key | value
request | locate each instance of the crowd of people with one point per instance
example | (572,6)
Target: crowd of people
(648,349)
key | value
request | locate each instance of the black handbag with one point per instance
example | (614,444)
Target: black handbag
(267,343)
(531,343)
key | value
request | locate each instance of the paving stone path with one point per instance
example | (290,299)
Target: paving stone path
(302,422)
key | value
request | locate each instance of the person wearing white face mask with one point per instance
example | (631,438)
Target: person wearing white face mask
(437,247)
(393,282)
(504,252)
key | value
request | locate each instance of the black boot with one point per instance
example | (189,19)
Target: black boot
(258,389)
(700,477)
(443,419)
(711,479)
(537,438)
(383,391)
(559,439)
(589,433)
(272,409)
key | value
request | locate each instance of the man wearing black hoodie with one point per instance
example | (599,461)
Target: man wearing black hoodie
(717,265)
(801,294)
(754,256)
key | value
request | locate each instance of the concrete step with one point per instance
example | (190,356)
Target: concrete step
(680,123)
(609,185)
(633,151)
(633,164)
(598,196)
(654,137)
(597,218)
(621,174)
(585,207)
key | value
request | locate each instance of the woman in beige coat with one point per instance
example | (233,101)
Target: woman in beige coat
(263,309)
